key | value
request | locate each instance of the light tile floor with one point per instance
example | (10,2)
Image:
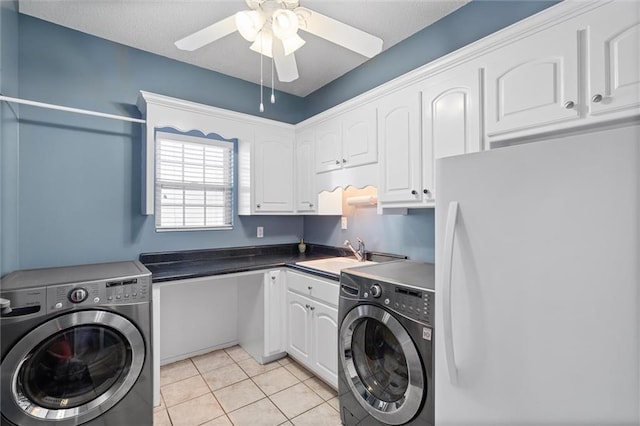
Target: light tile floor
(228,387)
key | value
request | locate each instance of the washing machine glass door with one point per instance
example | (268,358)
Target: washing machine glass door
(71,369)
(382,364)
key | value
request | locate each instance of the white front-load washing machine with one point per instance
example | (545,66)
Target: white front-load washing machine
(76,346)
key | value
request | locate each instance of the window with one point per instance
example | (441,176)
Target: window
(194,182)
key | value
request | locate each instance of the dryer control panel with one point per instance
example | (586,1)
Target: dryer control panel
(93,293)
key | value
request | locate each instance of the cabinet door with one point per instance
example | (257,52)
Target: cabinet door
(324,331)
(614,48)
(450,122)
(532,82)
(298,327)
(273,166)
(401,157)
(275,302)
(305,192)
(359,137)
(328,146)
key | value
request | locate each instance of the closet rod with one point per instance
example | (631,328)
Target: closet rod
(68,109)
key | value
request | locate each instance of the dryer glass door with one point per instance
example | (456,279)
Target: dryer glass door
(382,364)
(71,369)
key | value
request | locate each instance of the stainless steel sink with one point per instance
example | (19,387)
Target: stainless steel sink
(334,265)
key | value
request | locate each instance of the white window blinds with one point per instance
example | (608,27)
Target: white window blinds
(194,182)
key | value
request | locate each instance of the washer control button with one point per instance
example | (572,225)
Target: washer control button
(96,299)
(58,305)
(366,294)
(78,295)
(386,301)
(376,291)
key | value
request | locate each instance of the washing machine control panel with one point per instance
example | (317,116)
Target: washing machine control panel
(411,302)
(99,293)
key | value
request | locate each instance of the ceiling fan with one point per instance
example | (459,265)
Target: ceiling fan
(272,26)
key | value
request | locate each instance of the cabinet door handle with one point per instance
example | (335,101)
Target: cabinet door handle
(309,288)
(414,192)
(312,308)
(344,160)
(569,104)
(310,204)
(337,161)
(307,306)
(596,98)
(425,191)
(258,206)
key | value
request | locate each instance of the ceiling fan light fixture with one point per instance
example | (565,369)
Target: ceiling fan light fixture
(284,23)
(249,24)
(263,43)
(292,43)
(290,4)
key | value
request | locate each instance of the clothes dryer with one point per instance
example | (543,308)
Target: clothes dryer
(76,346)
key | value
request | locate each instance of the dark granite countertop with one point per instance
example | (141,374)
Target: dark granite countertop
(179,265)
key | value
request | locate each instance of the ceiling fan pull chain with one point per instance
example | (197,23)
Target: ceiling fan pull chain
(261,50)
(273,95)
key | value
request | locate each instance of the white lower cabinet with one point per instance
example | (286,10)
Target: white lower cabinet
(324,344)
(274,319)
(299,328)
(312,324)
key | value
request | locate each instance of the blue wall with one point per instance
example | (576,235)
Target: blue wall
(471,22)
(79,176)
(77,186)
(8,136)
(411,235)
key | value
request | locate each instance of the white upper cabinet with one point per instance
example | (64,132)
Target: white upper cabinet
(328,146)
(450,121)
(581,71)
(305,194)
(273,172)
(359,137)
(533,82)
(401,154)
(614,64)
(348,140)
(439,117)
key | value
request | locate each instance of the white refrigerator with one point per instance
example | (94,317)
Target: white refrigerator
(538,283)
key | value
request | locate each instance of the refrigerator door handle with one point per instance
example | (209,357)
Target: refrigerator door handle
(449,235)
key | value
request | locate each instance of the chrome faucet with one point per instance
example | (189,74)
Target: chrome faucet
(359,253)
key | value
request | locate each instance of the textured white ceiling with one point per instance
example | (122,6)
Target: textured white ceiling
(154,26)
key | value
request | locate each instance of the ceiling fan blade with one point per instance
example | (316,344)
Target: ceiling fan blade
(339,33)
(286,65)
(208,35)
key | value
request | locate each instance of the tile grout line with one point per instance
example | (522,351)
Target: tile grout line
(268,397)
